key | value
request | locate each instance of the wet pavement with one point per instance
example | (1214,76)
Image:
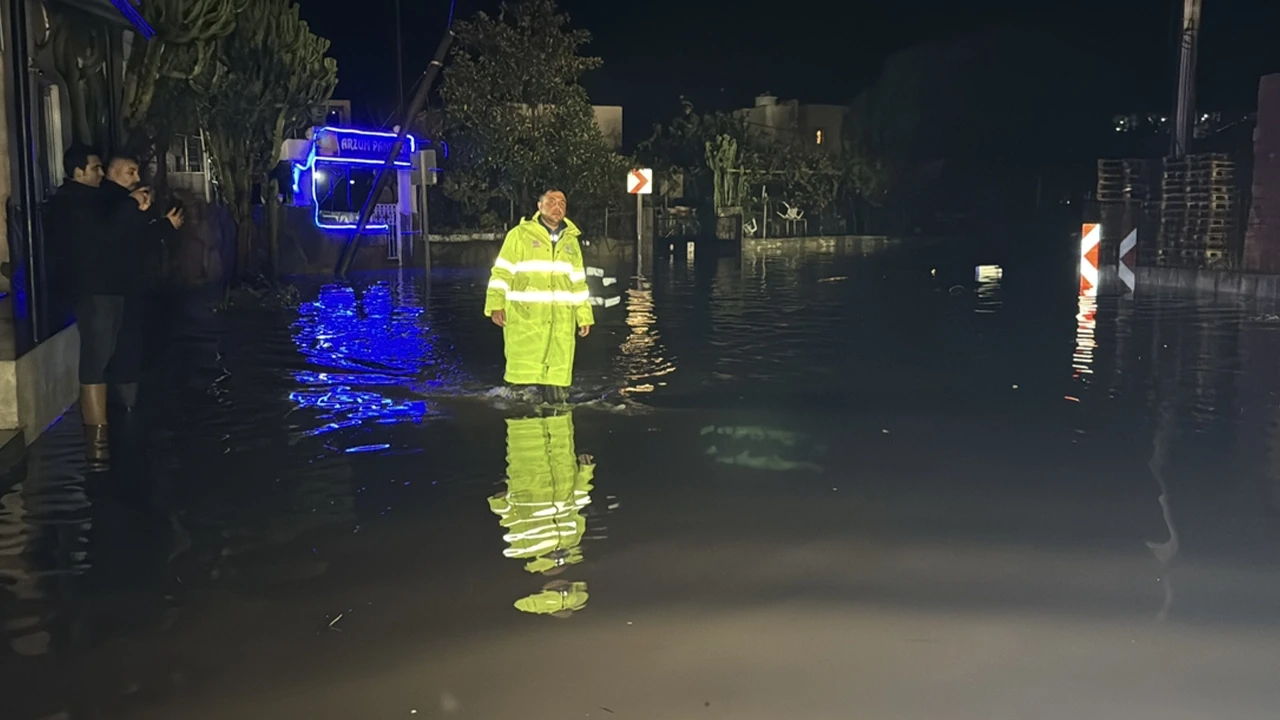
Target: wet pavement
(821,480)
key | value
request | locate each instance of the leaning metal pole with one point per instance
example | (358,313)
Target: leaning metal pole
(384,175)
(1184,111)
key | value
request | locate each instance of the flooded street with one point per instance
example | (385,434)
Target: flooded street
(819,479)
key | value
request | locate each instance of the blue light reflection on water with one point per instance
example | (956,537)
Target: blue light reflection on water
(364,344)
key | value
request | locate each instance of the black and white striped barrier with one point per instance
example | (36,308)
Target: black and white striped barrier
(607,293)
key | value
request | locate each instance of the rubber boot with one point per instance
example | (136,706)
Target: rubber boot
(93,410)
(554,395)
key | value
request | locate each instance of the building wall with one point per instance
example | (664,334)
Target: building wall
(38,349)
(827,119)
(791,120)
(609,120)
(778,119)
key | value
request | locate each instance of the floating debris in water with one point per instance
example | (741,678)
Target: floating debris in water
(837,278)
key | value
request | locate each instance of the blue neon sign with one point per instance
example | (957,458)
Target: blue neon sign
(368,146)
(350,147)
(135,18)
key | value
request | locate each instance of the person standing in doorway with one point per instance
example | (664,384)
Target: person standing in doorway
(538,295)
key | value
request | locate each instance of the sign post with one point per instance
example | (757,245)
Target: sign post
(640,183)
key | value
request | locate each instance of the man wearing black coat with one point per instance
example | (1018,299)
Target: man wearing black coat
(136,233)
(111,233)
(76,225)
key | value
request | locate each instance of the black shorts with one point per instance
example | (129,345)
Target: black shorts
(100,319)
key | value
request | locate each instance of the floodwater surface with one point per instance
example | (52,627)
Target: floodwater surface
(818,479)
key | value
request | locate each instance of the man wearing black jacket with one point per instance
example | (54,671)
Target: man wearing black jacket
(135,241)
(76,225)
(113,236)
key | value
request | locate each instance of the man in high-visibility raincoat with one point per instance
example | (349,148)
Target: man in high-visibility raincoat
(547,488)
(538,296)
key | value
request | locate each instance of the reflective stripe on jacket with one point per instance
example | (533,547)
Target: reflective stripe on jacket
(542,286)
(547,489)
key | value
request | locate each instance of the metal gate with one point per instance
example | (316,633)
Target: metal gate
(389,215)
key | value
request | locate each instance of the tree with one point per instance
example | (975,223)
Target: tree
(517,119)
(810,176)
(680,148)
(184,46)
(269,73)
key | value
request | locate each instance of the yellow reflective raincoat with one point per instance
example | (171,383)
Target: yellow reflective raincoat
(546,490)
(542,286)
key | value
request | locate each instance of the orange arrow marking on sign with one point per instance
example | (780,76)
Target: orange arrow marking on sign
(641,181)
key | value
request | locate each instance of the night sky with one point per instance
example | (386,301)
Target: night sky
(657,50)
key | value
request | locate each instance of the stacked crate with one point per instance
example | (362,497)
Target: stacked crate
(1198,211)
(1123,181)
(1128,200)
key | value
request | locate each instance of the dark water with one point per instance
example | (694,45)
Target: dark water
(825,480)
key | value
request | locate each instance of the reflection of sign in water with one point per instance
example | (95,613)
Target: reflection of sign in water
(1086,323)
(988,278)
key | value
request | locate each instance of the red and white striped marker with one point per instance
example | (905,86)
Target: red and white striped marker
(1129,260)
(1090,238)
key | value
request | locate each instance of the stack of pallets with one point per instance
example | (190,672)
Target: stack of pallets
(1123,180)
(1198,211)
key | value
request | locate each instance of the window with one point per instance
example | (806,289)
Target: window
(51,140)
(341,191)
(187,153)
(817,138)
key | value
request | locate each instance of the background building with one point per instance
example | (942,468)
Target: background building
(609,120)
(790,119)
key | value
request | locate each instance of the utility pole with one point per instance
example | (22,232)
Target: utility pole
(1185,108)
(399,61)
(387,171)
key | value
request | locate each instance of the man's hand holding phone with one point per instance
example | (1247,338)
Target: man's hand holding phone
(142,196)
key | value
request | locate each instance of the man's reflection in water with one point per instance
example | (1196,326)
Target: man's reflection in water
(84,558)
(548,486)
